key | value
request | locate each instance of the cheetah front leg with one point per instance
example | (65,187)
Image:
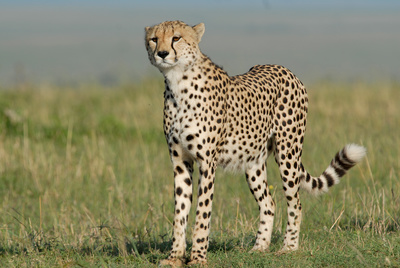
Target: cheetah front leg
(183,170)
(256,177)
(203,212)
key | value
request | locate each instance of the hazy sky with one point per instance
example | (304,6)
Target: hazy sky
(63,41)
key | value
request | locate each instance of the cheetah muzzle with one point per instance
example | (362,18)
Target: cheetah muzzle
(235,122)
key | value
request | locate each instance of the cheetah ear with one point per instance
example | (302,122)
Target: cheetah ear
(146,29)
(199,29)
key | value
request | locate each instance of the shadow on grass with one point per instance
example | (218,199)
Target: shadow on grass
(108,241)
(138,250)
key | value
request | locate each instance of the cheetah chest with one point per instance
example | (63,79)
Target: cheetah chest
(191,122)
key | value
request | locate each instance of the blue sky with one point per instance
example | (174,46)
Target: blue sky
(64,41)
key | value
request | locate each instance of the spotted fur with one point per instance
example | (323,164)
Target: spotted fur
(213,119)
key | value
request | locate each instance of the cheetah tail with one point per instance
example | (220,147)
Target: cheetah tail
(345,159)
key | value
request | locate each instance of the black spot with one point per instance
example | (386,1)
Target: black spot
(314,183)
(320,184)
(329,179)
(210,185)
(199,156)
(188,181)
(179,169)
(179,191)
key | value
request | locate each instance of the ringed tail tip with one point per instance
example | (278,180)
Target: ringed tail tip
(354,152)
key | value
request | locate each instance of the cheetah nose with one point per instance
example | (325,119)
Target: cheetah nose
(162,54)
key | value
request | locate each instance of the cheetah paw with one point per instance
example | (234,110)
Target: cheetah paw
(259,248)
(201,263)
(285,250)
(172,263)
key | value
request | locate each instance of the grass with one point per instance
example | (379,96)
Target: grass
(85,180)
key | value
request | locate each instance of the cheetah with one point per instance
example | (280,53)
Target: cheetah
(213,119)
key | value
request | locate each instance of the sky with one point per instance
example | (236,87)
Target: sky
(73,41)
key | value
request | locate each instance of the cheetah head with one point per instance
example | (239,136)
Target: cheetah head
(173,44)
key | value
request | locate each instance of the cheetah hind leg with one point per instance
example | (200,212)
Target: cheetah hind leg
(256,177)
(290,165)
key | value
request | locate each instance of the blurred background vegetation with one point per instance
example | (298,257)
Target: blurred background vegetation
(70,42)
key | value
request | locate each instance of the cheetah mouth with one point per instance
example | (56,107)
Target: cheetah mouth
(165,63)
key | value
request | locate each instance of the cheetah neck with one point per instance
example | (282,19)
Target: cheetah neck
(203,76)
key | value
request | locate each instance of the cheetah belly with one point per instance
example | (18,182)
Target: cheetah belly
(239,152)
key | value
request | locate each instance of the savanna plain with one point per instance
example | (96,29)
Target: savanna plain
(86,181)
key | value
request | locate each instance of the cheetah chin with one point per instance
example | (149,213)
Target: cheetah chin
(213,119)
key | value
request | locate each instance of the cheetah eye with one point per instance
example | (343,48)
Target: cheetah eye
(154,39)
(176,38)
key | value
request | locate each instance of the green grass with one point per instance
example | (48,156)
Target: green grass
(86,181)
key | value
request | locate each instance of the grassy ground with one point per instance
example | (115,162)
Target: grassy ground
(85,180)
